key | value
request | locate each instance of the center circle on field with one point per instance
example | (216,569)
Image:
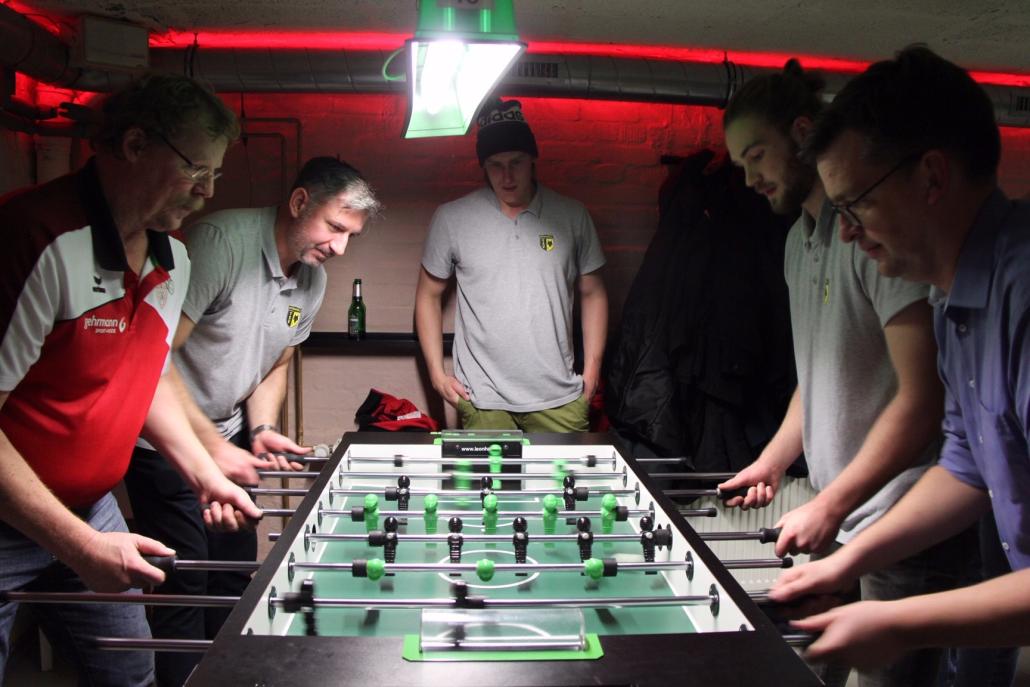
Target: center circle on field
(486,585)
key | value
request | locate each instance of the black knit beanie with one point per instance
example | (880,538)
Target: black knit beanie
(503,129)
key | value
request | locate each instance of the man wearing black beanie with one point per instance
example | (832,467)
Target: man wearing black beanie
(520,254)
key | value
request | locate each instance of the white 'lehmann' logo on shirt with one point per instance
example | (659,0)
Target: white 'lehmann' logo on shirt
(104,325)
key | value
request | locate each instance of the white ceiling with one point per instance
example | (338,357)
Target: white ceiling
(978,34)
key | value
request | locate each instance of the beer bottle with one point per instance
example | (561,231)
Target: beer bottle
(356,314)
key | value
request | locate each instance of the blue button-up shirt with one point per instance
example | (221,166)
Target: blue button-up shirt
(983,333)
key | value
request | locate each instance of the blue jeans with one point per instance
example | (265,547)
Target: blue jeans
(166,509)
(25,566)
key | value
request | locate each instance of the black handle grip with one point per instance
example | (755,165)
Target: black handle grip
(725,494)
(165,563)
(769,535)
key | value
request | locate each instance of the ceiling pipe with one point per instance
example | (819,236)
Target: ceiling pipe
(533,75)
(30,49)
(64,129)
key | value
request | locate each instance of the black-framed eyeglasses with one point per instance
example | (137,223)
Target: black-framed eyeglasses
(845,209)
(198,174)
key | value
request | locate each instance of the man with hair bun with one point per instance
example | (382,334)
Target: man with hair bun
(866,410)
(90,295)
(908,154)
(255,288)
(520,254)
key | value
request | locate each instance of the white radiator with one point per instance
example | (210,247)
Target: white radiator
(793,493)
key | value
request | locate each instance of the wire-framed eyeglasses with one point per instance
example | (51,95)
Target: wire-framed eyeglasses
(846,210)
(198,174)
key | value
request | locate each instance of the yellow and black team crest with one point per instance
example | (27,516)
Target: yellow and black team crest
(293,317)
(547,242)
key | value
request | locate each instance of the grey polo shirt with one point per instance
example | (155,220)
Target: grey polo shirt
(247,312)
(839,304)
(516,287)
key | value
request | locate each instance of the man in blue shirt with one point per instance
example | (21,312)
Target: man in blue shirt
(908,154)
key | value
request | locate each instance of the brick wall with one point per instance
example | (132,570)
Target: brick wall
(606,154)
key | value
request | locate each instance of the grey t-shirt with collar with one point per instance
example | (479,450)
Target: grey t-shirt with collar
(839,305)
(513,346)
(246,311)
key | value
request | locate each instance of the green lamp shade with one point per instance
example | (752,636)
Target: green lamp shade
(451,78)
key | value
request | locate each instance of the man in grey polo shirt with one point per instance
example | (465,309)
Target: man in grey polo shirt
(257,283)
(868,406)
(520,254)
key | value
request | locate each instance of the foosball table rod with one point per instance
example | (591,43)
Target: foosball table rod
(161,645)
(202,645)
(764,536)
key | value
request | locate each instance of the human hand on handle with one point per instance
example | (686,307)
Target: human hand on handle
(808,528)
(113,562)
(270,446)
(226,506)
(761,481)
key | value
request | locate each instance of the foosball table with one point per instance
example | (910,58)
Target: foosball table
(494,558)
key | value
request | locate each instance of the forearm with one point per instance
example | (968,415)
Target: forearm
(938,506)
(429,327)
(206,431)
(897,440)
(786,445)
(594,318)
(168,429)
(30,507)
(266,401)
(992,613)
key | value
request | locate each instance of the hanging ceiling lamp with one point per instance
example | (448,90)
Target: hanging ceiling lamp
(460,51)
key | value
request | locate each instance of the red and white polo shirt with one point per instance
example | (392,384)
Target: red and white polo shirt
(83,339)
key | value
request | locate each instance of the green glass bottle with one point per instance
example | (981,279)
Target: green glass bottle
(356,314)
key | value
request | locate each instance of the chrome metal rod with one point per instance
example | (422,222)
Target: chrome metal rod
(693,476)
(435,460)
(528,514)
(276,491)
(288,474)
(471,491)
(748,563)
(599,602)
(764,535)
(442,537)
(232,566)
(567,642)
(695,493)
(705,536)
(379,489)
(131,644)
(697,512)
(125,598)
(498,567)
(438,476)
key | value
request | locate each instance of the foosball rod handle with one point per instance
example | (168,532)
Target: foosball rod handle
(727,494)
(164,563)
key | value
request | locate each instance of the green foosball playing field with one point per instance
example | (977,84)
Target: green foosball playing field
(500,585)
(553,562)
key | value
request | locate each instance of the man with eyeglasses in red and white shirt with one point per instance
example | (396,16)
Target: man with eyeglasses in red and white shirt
(90,295)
